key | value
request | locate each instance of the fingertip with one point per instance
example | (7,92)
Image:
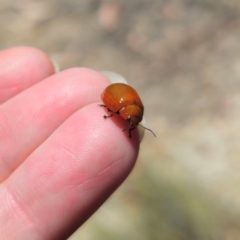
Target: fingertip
(112,131)
(30,55)
(20,68)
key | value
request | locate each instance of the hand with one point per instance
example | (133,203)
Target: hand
(59,158)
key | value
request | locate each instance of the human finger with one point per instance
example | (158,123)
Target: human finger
(68,177)
(20,68)
(33,115)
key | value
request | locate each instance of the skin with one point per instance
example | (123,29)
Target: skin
(59,159)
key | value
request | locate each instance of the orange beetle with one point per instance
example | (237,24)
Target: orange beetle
(122,99)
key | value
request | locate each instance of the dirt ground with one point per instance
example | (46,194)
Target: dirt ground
(183,57)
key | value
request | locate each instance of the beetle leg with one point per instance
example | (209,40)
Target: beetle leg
(102,105)
(129,131)
(108,116)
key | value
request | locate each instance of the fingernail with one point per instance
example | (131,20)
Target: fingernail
(55,66)
(114,77)
(117,78)
(141,130)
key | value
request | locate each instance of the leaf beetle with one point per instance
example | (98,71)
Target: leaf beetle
(122,99)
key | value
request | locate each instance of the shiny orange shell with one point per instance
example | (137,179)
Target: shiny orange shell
(122,99)
(120,96)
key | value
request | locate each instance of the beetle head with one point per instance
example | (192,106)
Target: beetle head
(132,113)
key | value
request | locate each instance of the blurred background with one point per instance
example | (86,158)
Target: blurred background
(183,57)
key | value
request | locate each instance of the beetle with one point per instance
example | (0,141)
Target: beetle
(122,99)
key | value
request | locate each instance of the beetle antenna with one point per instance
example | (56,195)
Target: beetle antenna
(148,130)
